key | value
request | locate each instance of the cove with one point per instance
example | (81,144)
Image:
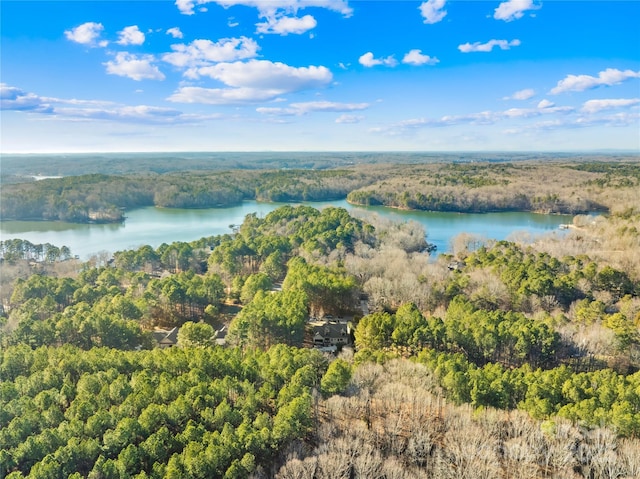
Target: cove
(154,226)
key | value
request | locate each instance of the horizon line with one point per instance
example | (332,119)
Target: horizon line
(559,151)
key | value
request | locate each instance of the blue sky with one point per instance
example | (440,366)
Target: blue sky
(319,75)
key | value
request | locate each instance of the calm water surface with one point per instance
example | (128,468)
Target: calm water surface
(154,226)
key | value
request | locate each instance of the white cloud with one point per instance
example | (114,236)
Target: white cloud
(313,106)
(138,113)
(267,75)
(78,103)
(594,106)
(433,10)
(203,52)
(134,67)
(12,98)
(480,118)
(349,119)
(86,34)
(513,9)
(545,104)
(253,81)
(131,36)
(222,96)
(487,47)
(268,7)
(369,61)
(329,106)
(608,77)
(542,109)
(175,32)
(276,111)
(521,94)
(185,6)
(415,57)
(284,25)
(615,120)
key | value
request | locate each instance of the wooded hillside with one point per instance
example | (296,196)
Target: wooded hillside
(552,186)
(502,359)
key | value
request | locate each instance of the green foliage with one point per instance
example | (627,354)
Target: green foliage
(374,331)
(271,318)
(204,411)
(207,412)
(328,290)
(337,377)
(480,335)
(253,284)
(195,335)
(527,274)
(596,398)
(108,306)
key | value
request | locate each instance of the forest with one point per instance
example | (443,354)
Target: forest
(572,186)
(499,359)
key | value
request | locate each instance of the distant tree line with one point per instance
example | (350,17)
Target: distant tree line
(102,198)
(569,188)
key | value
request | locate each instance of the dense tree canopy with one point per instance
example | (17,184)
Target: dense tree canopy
(502,325)
(180,412)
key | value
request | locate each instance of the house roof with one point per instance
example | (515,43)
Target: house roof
(330,328)
(164,336)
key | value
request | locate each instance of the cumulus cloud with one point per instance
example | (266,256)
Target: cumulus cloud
(513,9)
(87,34)
(134,67)
(187,7)
(203,52)
(521,94)
(267,75)
(130,36)
(608,77)
(369,61)
(283,25)
(433,10)
(594,106)
(545,104)
(487,47)
(415,57)
(312,106)
(175,32)
(253,81)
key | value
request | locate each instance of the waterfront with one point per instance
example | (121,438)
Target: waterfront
(154,226)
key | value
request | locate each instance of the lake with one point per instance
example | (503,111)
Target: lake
(154,226)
